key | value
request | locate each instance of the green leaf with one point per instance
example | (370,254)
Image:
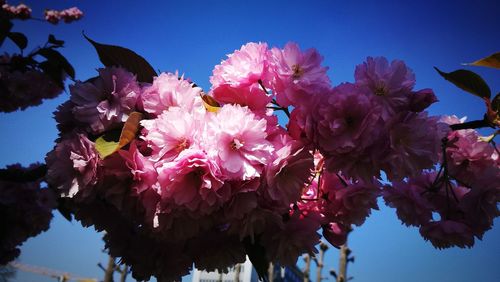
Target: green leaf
(111,142)
(106,147)
(468,81)
(55,58)
(111,55)
(18,38)
(492,61)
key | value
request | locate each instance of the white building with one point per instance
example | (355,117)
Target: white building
(247,274)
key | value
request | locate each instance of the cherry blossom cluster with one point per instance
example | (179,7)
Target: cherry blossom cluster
(23,12)
(459,201)
(20,11)
(67,15)
(23,86)
(25,210)
(211,177)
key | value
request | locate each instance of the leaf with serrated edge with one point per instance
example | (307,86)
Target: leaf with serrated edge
(210,104)
(468,81)
(492,61)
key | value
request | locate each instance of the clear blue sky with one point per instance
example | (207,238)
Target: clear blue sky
(193,36)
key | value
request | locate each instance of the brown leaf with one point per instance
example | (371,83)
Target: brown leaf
(492,61)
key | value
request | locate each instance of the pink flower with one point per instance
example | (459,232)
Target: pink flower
(345,127)
(242,68)
(447,233)
(480,204)
(294,74)
(349,204)
(409,199)
(414,145)
(422,99)
(390,84)
(336,233)
(252,96)
(72,166)
(192,181)
(468,156)
(238,79)
(71,14)
(240,139)
(52,16)
(106,101)
(170,90)
(288,173)
(142,168)
(170,133)
(20,11)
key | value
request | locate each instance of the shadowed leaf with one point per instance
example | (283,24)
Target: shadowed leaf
(5,26)
(108,143)
(492,61)
(495,103)
(467,81)
(56,59)
(257,255)
(111,55)
(18,38)
(52,40)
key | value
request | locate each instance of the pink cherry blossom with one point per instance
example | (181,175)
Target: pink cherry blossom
(252,96)
(72,166)
(170,133)
(389,84)
(345,127)
(20,11)
(409,199)
(447,233)
(336,233)
(288,173)
(349,203)
(240,139)
(422,99)
(242,68)
(71,14)
(170,90)
(192,181)
(52,16)
(296,74)
(106,101)
(414,145)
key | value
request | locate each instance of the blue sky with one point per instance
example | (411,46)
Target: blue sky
(193,36)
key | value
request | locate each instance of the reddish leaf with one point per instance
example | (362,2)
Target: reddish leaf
(111,55)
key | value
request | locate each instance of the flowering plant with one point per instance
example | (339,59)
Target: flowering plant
(175,175)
